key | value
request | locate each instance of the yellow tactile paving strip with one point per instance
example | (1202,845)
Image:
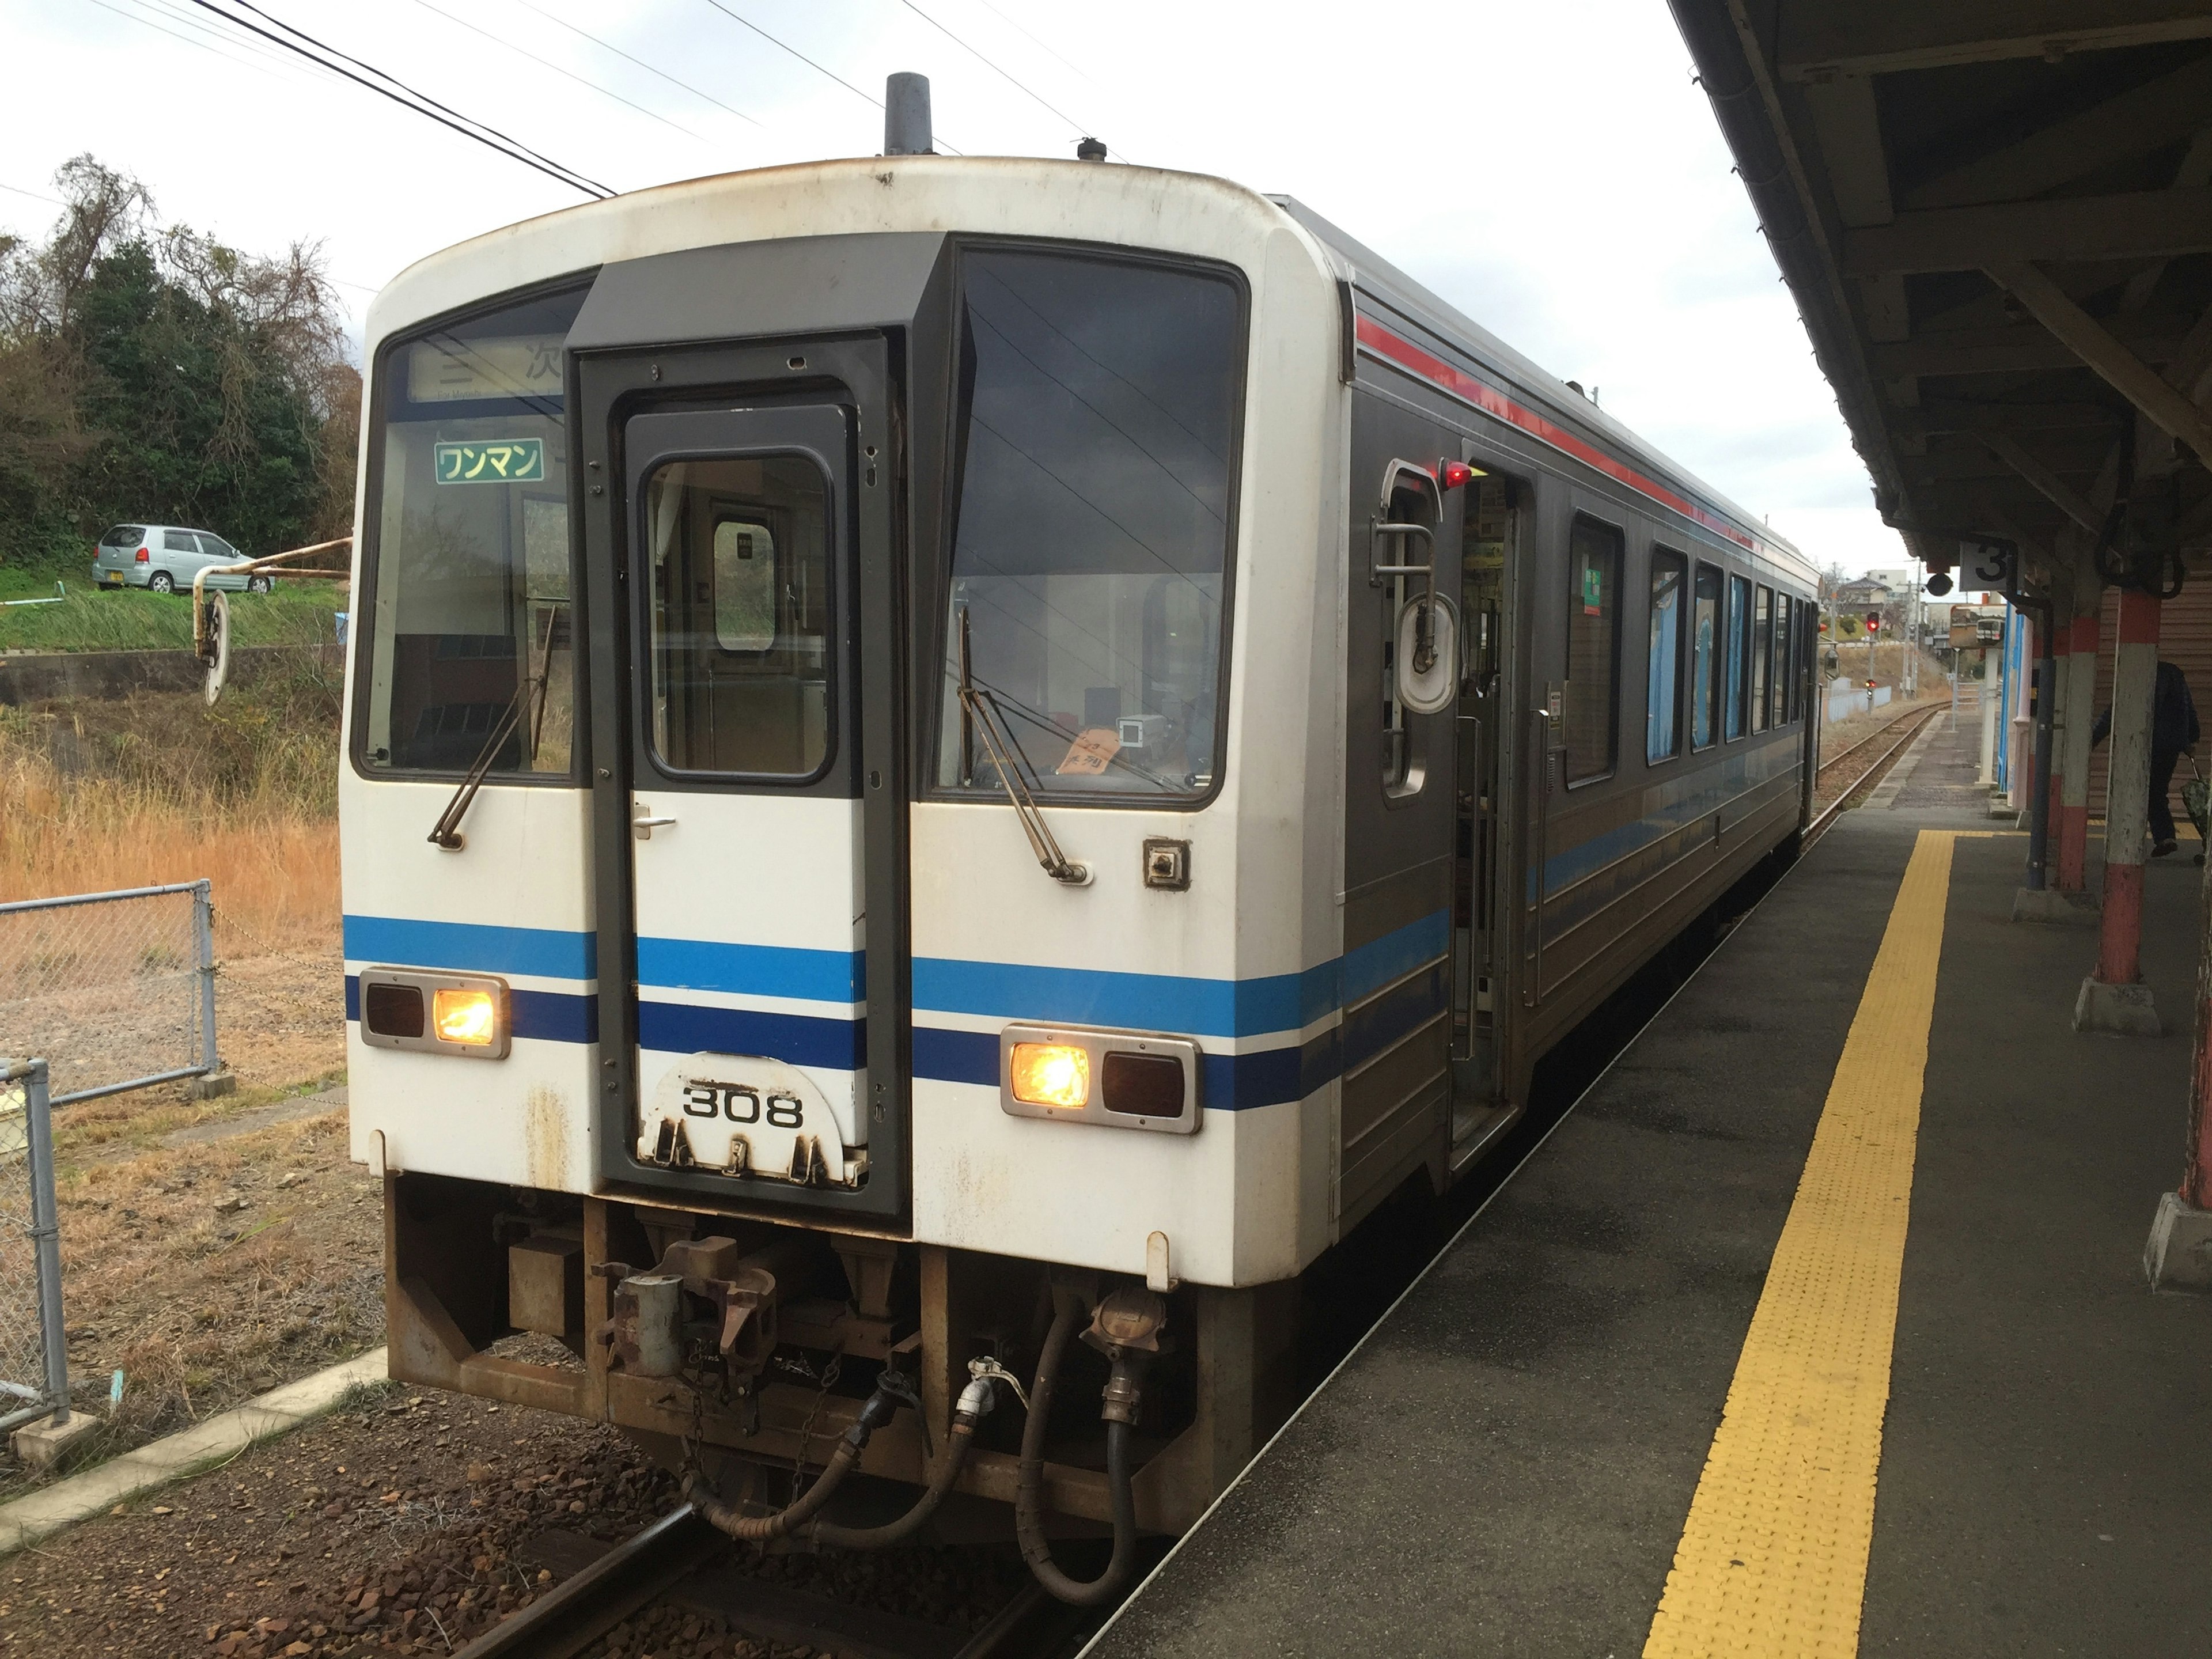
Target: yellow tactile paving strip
(1774,1558)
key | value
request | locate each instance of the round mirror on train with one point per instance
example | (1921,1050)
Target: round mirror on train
(1427,654)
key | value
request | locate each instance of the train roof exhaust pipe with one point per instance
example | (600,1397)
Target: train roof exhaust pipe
(905,116)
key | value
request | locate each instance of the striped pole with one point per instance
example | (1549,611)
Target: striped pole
(2077,708)
(2127,791)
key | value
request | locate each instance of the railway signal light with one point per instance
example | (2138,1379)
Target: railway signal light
(1873,621)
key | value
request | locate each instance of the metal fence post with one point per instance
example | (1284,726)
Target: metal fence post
(203,943)
(46,1236)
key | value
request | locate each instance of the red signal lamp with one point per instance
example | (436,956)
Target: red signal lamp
(1451,474)
(1873,621)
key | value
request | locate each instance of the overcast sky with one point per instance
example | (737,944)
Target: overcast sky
(1551,169)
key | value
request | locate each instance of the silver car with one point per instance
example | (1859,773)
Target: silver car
(166,557)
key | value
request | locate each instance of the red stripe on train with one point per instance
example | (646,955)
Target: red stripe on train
(1490,401)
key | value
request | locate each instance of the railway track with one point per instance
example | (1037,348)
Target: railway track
(1873,756)
(681,1562)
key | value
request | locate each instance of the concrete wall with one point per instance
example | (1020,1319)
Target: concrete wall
(28,676)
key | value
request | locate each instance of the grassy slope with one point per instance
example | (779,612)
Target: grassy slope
(132,619)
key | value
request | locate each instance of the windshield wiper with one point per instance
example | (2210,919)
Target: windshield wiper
(980,716)
(530,695)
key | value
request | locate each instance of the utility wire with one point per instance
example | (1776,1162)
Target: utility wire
(571,176)
(179,11)
(605,45)
(158,28)
(794,51)
(547,63)
(421,103)
(1017,85)
(1037,40)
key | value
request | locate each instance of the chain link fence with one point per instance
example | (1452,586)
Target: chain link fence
(33,1353)
(116,989)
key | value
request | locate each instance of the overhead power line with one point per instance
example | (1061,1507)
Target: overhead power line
(795,53)
(407,97)
(547,63)
(608,45)
(1003,75)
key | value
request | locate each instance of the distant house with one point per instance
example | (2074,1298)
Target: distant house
(1867,590)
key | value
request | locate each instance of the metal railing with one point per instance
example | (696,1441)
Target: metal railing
(116,989)
(34,1347)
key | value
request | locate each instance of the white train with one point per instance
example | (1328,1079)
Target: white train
(941,751)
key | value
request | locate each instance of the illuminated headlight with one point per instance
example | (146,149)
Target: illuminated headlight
(470,1016)
(1124,1080)
(1050,1074)
(433,1012)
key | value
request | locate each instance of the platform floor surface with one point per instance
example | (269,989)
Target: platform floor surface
(1509,1462)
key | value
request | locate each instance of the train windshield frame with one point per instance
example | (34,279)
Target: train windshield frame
(1096,428)
(468,571)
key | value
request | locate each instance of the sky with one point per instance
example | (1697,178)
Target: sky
(1551,170)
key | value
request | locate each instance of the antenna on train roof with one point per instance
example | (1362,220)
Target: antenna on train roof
(905,116)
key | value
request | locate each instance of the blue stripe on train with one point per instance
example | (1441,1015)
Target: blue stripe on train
(1203,1007)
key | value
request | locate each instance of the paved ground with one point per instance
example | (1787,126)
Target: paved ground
(1506,1465)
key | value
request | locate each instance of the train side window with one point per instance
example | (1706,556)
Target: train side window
(1785,656)
(1704,645)
(1738,654)
(1762,653)
(1662,714)
(1593,649)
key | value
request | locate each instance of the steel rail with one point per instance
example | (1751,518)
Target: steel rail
(577,1612)
(1826,817)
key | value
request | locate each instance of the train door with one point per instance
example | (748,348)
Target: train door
(738,966)
(1395,980)
(1484,729)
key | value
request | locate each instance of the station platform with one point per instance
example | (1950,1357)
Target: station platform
(1818,1326)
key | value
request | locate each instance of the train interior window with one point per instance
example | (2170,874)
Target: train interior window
(739,551)
(1705,669)
(1762,647)
(1739,655)
(1593,649)
(1663,722)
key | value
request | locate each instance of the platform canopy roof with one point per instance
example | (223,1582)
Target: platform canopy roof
(1996,216)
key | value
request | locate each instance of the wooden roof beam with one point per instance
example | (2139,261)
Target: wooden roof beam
(1843,37)
(2127,373)
(2148,224)
(2045,483)
(2014,349)
(2156,113)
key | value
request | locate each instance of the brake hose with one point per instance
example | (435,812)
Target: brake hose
(976,1399)
(1029,1489)
(881,1406)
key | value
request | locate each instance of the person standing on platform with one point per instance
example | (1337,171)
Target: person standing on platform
(2173,732)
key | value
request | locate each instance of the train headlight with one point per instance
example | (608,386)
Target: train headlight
(1050,1074)
(1118,1079)
(469,1016)
(436,1014)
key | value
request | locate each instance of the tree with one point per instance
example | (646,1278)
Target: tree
(157,374)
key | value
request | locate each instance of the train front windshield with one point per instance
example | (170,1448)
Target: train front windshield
(469,577)
(1094,450)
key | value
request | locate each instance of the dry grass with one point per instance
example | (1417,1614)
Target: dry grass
(159,787)
(210,1272)
(205,1272)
